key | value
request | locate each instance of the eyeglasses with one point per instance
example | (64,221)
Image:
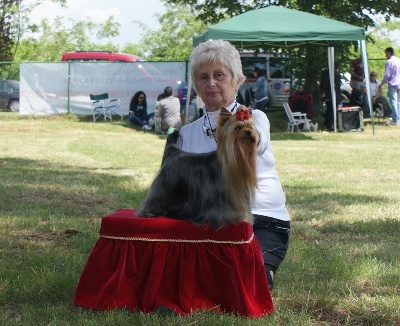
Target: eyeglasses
(373,75)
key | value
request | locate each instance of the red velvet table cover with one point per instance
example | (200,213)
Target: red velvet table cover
(144,263)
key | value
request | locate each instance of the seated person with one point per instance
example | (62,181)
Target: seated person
(169,111)
(379,102)
(138,111)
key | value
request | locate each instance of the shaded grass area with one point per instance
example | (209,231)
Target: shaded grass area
(59,175)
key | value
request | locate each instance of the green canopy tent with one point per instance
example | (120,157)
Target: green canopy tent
(281,27)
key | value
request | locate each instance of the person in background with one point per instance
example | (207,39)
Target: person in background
(138,110)
(216,71)
(392,77)
(379,102)
(357,77)
(170,111)
(157,120)
(357,74)
(260,89)
(326,94)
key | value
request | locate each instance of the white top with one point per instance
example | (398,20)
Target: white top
(269,197)
(373,86)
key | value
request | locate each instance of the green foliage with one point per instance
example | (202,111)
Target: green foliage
(359,13)
(14,23)
(8,10)
(52,40)
(173,42)
(133,49)
(379,39)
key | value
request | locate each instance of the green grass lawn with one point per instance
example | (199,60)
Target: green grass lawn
(59,175)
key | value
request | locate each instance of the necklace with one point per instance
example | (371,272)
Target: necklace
(210,130)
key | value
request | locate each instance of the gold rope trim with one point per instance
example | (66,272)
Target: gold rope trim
(178,240)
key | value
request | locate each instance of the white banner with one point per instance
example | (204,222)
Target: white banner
(55,88)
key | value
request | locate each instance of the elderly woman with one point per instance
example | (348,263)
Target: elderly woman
(216,71)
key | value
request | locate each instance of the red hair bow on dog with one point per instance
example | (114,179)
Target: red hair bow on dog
(242,115)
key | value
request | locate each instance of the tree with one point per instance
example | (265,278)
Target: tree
(7,32)
(380,38)
(359,13)
(14,22)
(174,39)
(51,40)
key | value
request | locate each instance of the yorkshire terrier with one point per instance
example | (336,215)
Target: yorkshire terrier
(215,188)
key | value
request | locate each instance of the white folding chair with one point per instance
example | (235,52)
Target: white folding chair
(296,119)
(102,105)
(112,106)
(99,107)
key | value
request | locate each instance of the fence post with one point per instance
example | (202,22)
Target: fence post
(69,90)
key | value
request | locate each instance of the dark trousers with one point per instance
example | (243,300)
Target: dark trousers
(329,116)
(273,236)
(261,105)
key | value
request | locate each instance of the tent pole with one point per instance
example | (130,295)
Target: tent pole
(189,90)
(331,56)
(367,85)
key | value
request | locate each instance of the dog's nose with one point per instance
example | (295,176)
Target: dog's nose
(249,132)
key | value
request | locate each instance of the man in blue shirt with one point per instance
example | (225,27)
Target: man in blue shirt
(392,77)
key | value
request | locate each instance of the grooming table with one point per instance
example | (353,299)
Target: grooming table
(145,263)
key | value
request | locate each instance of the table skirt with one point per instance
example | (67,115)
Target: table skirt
(145,263)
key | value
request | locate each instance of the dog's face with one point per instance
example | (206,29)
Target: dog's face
(237,128)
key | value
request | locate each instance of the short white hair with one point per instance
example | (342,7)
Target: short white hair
(217,51)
